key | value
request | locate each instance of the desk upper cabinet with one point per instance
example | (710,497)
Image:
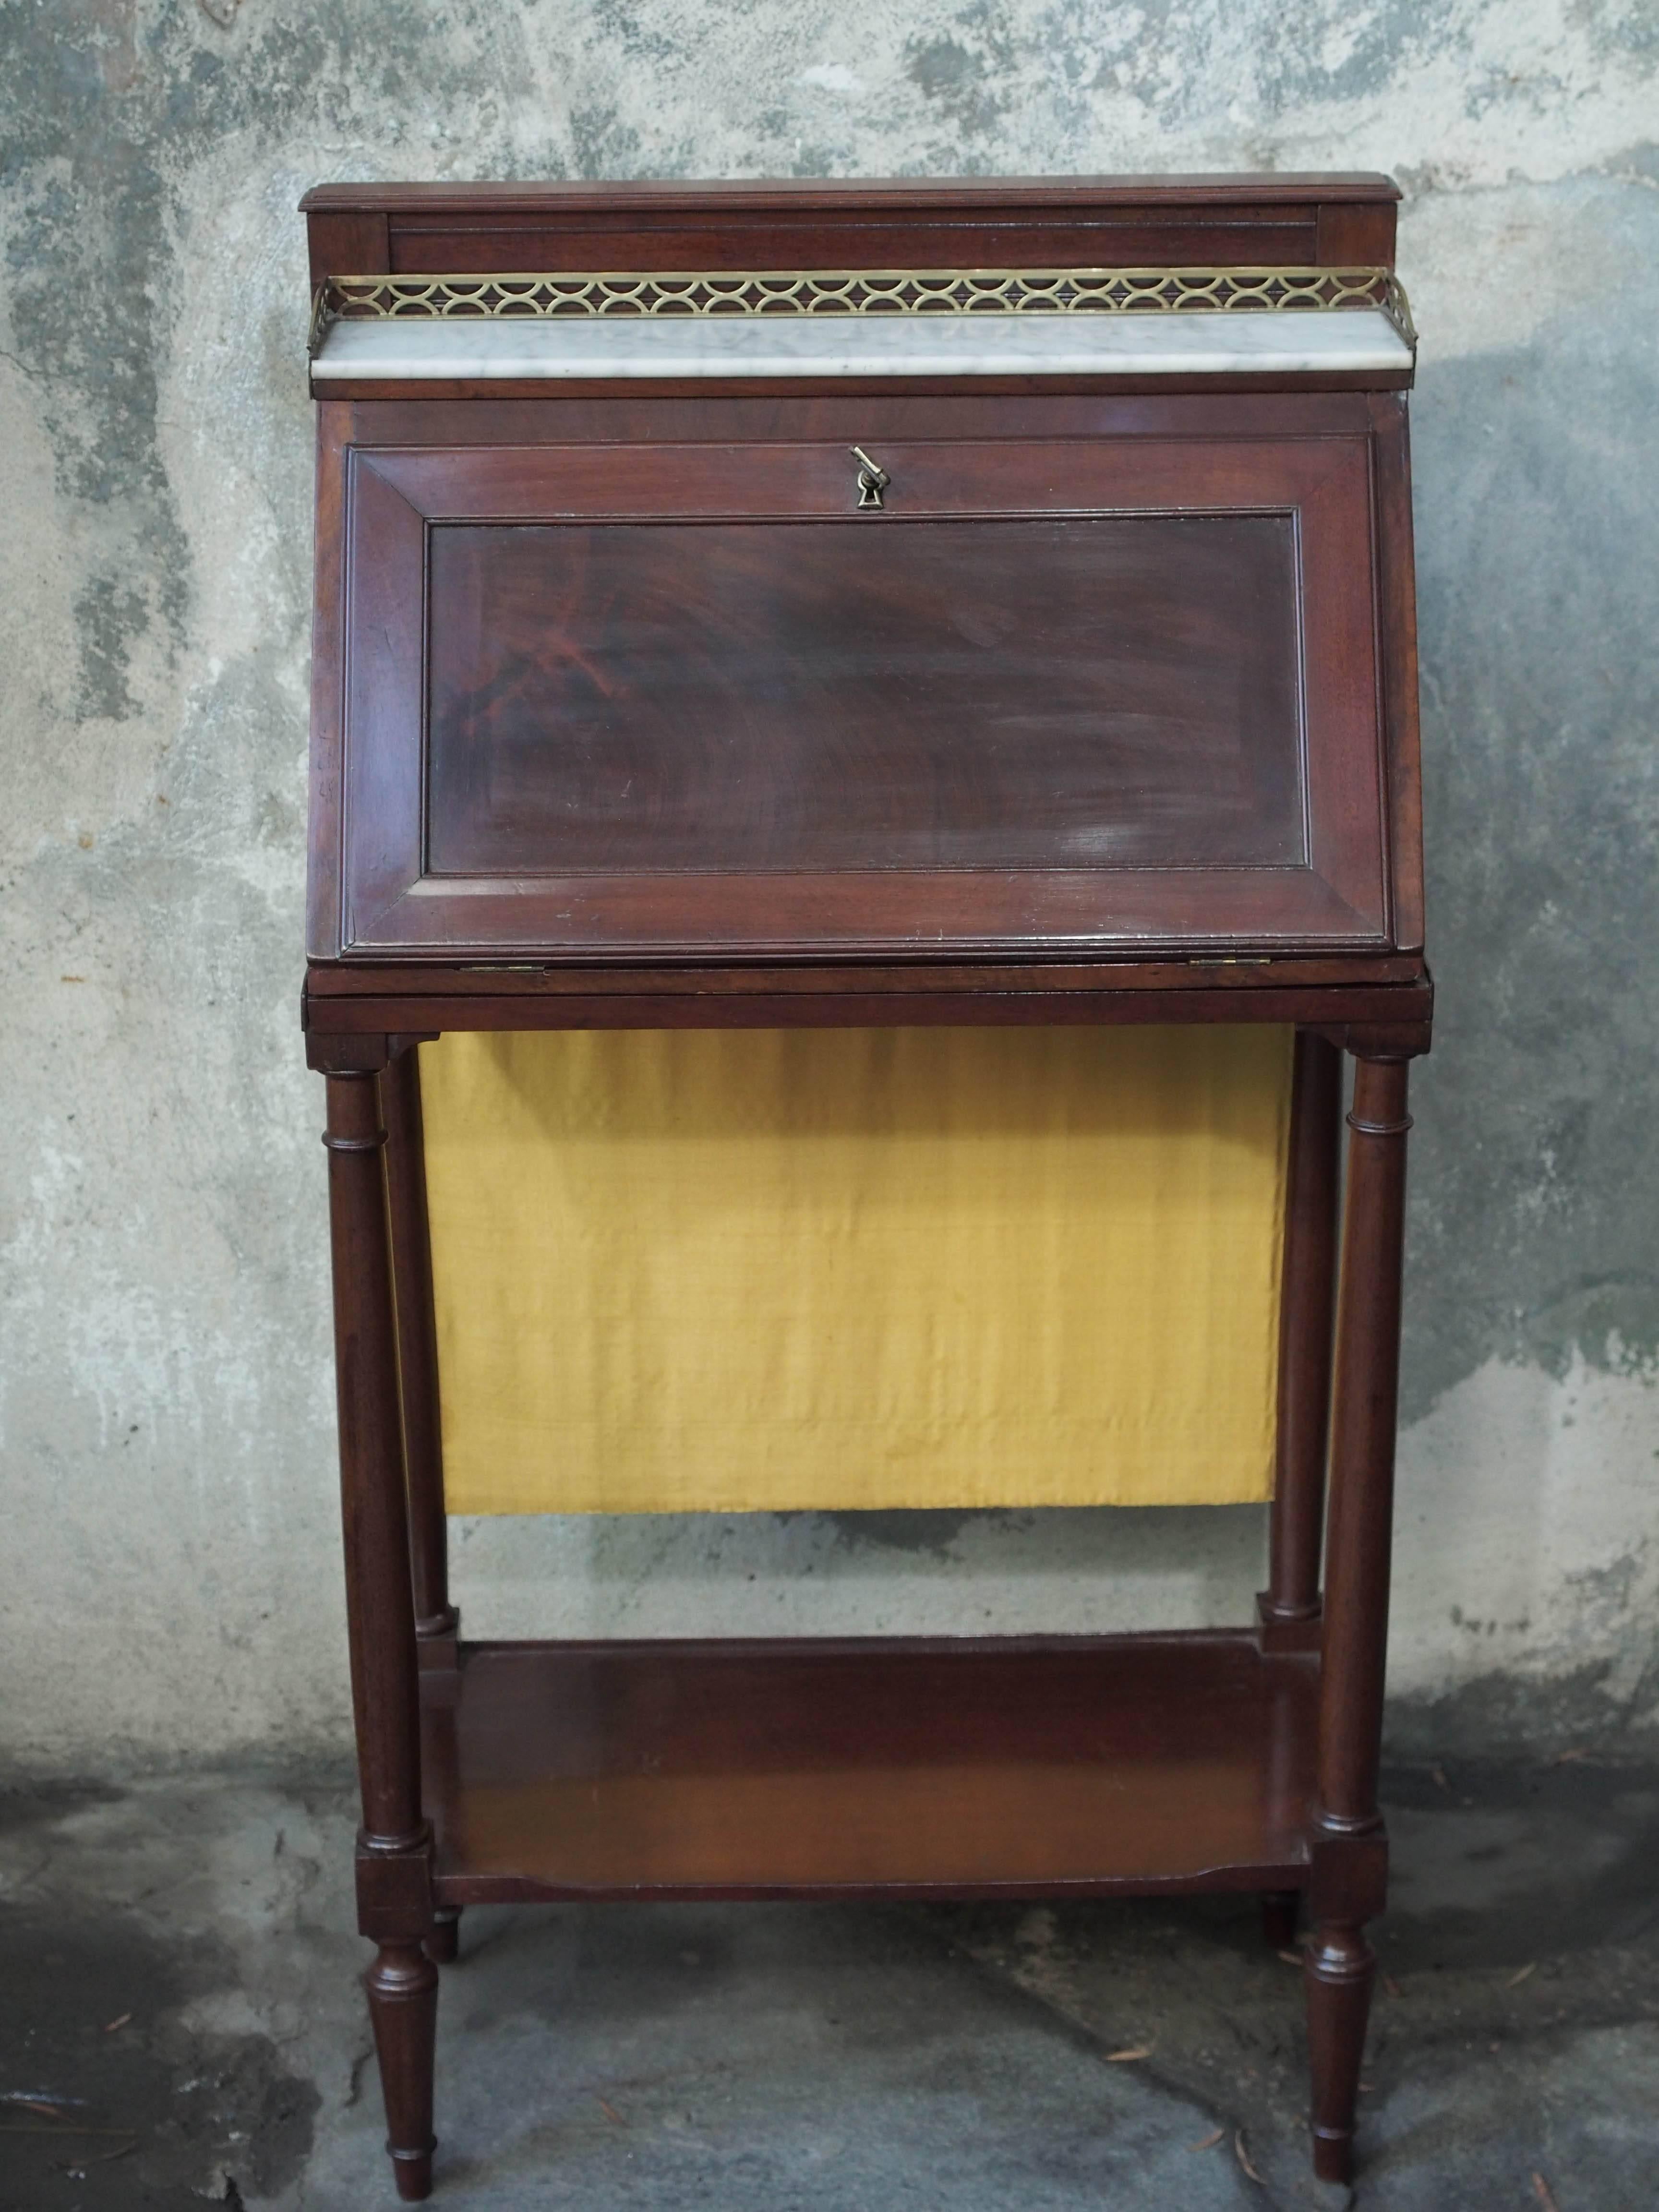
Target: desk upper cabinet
(762,605)
(1049,612)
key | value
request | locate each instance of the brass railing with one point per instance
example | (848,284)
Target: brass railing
(547,297)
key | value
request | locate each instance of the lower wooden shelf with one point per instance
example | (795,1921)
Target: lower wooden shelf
(940,1767)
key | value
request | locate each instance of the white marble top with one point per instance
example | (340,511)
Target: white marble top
(1191,342)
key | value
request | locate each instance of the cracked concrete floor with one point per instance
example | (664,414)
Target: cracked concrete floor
(179,2024)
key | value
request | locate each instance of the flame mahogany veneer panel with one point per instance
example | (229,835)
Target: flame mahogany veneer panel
(1101,691)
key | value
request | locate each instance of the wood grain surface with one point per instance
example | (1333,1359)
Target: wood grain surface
(623,716)
(1105,690)
(662,700)
(800,1767)
(1325,218)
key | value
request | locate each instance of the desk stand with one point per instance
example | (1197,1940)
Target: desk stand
(1255,1750)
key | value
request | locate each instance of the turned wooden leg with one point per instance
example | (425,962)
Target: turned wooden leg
(403,2004)
(1349,1870)
(394,1845)
(444,1941)
(1339,1974)
(1306,1307)
(417,1343)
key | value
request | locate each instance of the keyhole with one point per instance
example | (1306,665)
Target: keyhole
(873,479)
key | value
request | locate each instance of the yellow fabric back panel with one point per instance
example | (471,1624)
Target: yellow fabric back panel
(732,1270)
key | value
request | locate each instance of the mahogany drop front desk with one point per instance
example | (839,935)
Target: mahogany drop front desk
(755,605)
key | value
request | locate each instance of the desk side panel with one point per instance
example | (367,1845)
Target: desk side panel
(323,858)
(1397,633)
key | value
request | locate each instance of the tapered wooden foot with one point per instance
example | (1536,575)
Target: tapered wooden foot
(403,2004)
(444,1939)
(1338,1976)
(1279,1909)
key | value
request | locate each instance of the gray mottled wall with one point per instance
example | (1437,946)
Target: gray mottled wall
(172,1583)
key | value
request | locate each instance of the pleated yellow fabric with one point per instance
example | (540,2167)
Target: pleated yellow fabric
(736,1270)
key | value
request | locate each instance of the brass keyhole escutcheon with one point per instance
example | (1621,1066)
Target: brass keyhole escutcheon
(873,479)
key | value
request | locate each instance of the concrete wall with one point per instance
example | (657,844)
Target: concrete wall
(172,1584)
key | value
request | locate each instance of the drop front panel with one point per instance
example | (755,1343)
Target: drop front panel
(638,699)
